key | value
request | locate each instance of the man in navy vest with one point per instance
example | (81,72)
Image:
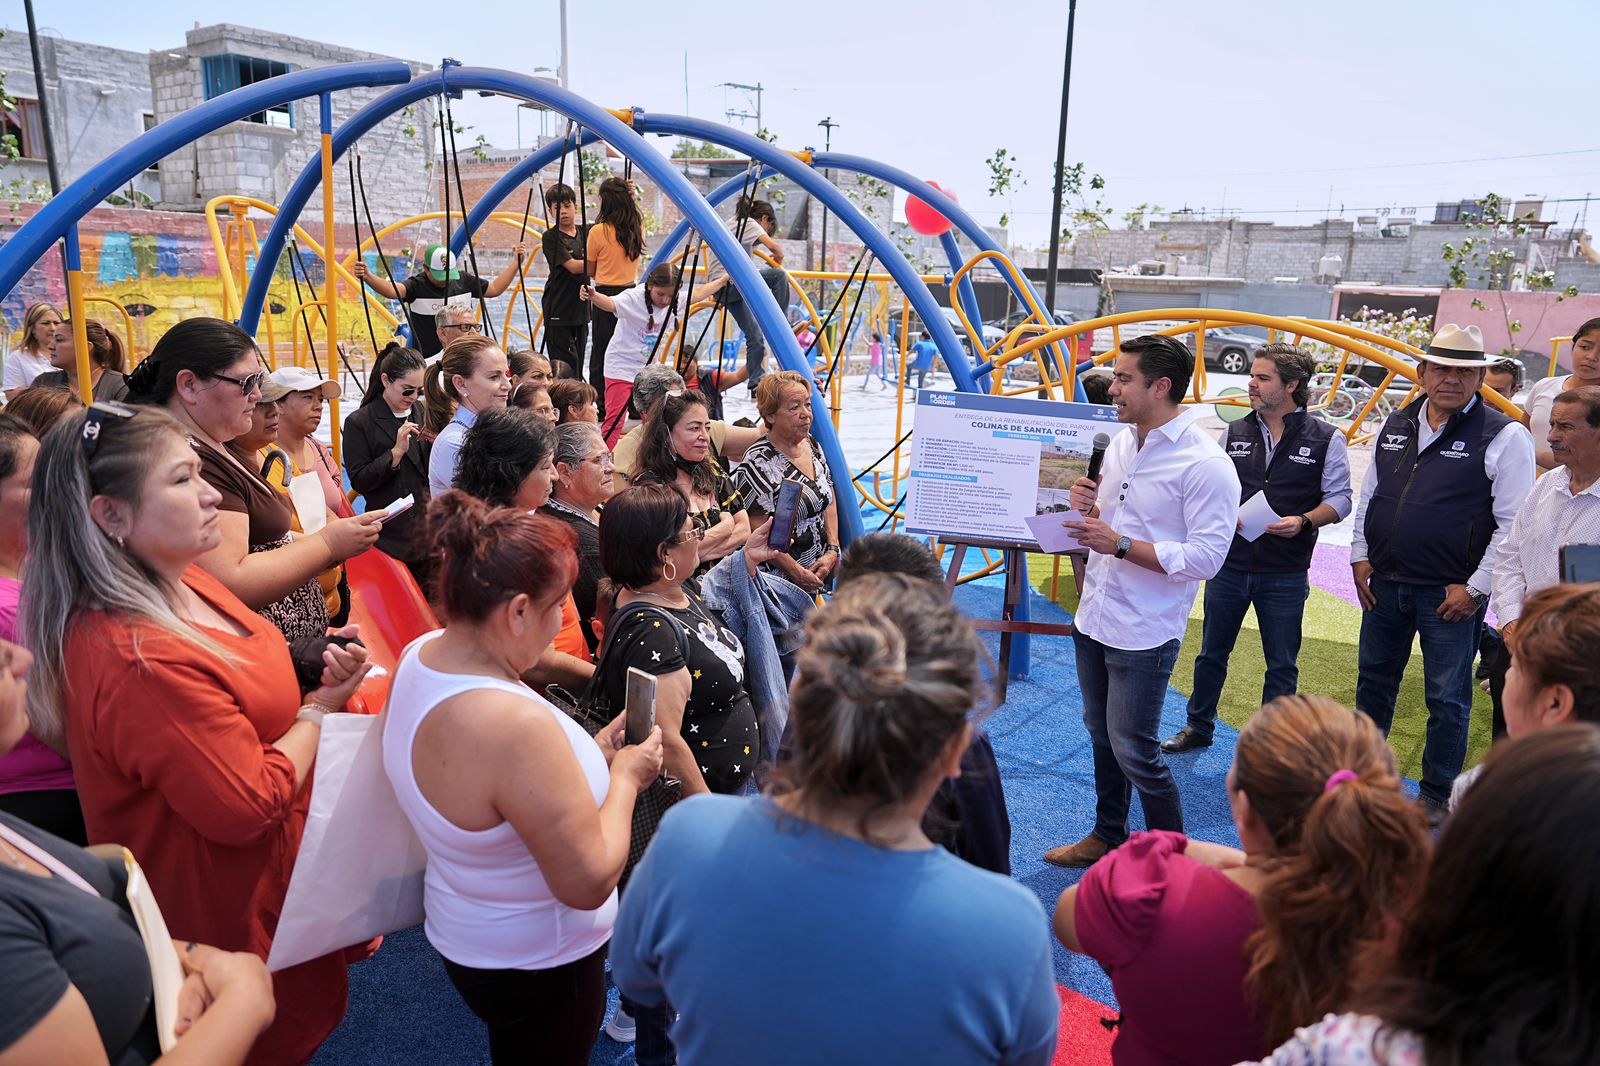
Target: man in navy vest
(1448,474)
(1300,462)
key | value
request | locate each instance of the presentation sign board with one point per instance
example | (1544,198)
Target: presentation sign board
(981,464)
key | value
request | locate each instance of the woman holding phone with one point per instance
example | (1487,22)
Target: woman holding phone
(787,453)
(525,818)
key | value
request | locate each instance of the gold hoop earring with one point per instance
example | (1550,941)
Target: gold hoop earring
(665,567)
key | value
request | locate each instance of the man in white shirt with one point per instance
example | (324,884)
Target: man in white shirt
(1562,508)
(1448,474)
(1162,526)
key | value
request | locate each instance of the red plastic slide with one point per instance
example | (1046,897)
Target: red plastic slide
(392,612)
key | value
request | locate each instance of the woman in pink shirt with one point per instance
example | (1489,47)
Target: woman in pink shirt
(1218,954)
(35,781)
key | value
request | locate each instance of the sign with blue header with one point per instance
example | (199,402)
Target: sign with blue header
(981,464)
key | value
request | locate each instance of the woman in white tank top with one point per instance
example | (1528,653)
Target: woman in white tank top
(525,824)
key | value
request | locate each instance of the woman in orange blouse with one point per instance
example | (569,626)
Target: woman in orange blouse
(616,243)
(180,706)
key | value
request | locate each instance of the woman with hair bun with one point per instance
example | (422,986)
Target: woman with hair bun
(1218,954)
(386,457)
(838,907)
(106,361)
(525,824)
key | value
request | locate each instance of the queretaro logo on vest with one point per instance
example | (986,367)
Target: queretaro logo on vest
(1457,450)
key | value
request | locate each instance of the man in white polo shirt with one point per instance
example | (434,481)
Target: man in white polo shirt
(1161,526)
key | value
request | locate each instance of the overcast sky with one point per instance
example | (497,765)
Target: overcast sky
(1276,110)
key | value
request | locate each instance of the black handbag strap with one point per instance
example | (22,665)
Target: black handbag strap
(591,692)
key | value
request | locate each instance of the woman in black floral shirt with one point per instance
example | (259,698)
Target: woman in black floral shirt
(787,452)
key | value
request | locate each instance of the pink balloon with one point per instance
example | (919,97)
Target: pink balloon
(924,219)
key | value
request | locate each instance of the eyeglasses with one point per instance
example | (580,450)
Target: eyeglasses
(99,411)
(246,385)
(603,460)
(694,532)
(470,327)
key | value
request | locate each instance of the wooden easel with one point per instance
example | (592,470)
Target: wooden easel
(1007,624)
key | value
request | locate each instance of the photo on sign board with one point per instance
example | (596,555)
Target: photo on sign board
(1059,467)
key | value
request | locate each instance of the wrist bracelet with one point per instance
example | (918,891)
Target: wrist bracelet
(312,713)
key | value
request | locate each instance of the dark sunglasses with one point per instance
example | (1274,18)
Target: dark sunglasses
(98,412)
(246,385)
(409,392)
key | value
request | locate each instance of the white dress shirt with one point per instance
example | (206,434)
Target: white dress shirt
(1550,518)
(1508,461)
(1181,493)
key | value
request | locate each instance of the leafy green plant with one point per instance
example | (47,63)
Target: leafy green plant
(1490,255)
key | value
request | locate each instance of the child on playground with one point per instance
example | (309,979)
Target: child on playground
(753,226)
(875,362)
(565,325)
(616,243)
(925,351)
(642,316)
(712,382)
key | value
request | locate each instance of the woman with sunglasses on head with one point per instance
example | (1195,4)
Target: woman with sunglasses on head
(386,457)
(206,373)
(192,739)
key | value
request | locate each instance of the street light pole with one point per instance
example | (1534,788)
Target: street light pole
(1061,174)
(44,105)
(828,126)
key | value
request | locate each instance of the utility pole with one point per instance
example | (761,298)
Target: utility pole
(828,126)
(757,89)
(564,72)
(44,104)
(1061,174)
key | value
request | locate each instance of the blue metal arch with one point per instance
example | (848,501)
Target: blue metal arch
(607,127)
(117,169)
(825,191)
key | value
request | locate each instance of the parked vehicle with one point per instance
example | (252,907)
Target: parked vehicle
(1227,351)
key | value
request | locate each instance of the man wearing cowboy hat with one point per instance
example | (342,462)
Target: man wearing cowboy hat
(1448,474)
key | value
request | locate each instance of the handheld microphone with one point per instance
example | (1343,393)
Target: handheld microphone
(1098,456)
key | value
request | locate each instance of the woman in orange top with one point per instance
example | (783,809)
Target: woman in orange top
(616,244)
(188,733)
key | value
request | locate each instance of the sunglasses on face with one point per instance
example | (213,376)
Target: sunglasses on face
(247,385)
(409,392)
(694,532)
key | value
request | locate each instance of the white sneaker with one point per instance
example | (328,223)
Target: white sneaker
(621,1028)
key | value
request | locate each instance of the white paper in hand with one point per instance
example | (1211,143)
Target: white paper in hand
(1255,515)
(305,492)
(1051,532)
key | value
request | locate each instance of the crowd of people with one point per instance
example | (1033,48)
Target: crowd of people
(173,608)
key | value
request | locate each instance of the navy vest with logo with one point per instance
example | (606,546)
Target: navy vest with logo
(1432,511)
(1292,481)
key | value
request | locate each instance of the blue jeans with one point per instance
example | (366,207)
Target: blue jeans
(755,348)
(1448,648)
(1122,696)
(1280,603)
(651,1044)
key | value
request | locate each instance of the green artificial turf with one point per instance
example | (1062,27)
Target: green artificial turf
(1327,666)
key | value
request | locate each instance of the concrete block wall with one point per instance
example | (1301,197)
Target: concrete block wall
(262,161)
(97,98)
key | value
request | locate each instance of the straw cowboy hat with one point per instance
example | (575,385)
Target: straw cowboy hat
(1456,345)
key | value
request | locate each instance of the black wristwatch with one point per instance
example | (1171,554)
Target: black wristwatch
(1124,545)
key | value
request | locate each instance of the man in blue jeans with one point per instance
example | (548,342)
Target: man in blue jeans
(1448,474)
(1160,528)
(1303,467)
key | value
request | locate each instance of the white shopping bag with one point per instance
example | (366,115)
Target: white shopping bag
(359,871)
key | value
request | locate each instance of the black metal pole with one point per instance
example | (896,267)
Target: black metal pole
(1061,174)
(827,125)
(44,104)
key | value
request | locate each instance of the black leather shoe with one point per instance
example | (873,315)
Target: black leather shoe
(1185,739)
